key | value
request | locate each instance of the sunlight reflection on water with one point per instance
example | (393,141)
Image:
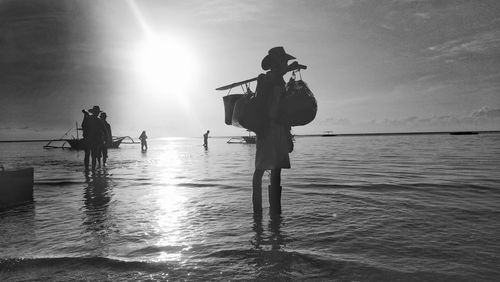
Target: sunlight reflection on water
(169,218)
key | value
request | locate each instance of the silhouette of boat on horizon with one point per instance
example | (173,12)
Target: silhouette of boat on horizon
(79,144)
(76,143)
(250,139)
(464,133)
(328,134)
(16,187)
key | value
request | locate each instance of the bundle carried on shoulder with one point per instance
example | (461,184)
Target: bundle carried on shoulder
(229,103)
(298,106)
(249,113)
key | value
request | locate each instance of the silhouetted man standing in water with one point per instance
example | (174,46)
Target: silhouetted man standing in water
(93,136)
(85,133)
(108,138)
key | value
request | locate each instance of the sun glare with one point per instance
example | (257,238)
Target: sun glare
(166,65)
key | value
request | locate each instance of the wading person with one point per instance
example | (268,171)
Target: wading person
(144,143)
(93,134)
(205,138)
(274,140)
(108,139)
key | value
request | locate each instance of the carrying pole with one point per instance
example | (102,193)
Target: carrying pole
(292,67)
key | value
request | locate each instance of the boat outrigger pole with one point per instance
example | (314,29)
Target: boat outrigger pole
(292,67)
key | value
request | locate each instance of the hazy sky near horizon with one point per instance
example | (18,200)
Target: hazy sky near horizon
(374,66)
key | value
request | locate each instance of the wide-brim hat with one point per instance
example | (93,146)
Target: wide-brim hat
(275,54)
(95,110)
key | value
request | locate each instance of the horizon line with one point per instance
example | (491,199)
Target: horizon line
(330,134)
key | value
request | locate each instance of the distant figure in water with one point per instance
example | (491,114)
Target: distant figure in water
(93,135)
(274,142)
(205,138)
(144,143)
(108,139)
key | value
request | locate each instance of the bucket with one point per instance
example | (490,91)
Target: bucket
(229,102)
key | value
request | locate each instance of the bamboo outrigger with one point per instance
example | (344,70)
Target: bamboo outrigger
(292,67)
(250,139)
(76,143)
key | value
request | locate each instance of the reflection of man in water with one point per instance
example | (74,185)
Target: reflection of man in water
(97,199)
(93,134)
(144,143)
(275,238)
(205,138)
(108,139)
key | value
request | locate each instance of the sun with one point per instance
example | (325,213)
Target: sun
(166,65)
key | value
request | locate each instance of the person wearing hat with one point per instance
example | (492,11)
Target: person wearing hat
(93,136)
(108,138)
(273,141)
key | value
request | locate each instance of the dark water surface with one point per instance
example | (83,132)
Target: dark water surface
(385,208)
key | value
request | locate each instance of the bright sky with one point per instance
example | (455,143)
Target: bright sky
(374,66)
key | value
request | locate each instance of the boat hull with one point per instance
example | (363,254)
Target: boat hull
(249,139)
(16,187)
(79,144)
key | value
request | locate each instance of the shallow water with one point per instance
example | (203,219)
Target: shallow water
(390,208)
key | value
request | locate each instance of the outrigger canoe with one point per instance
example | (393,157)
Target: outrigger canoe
(78,144)
(16,187)
(242,140)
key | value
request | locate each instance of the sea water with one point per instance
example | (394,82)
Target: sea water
(384,208)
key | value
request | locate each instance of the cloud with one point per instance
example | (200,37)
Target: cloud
(486,113)
(483,114)
(484,118)
(222,11)
(478,44)
(342,3)
(334,121)
(424,16)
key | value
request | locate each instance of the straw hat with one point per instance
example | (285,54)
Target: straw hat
(275,54)
(95,110)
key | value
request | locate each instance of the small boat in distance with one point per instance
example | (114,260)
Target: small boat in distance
(76,143)
(328,134)
(16,187)
(250,139)
(464,133)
